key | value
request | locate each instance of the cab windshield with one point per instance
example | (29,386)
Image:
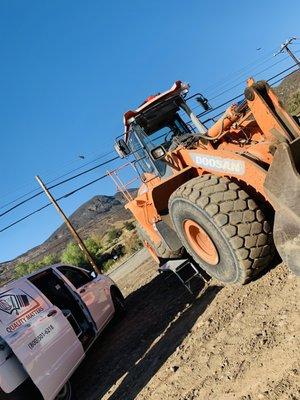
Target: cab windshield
(165,135)
(142,141)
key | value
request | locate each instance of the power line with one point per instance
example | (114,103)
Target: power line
(60,166)
(243,82)
(245,68)
(56,185)
(59,177)
(48,204)
(239,76)
(278,80)
(282,72)
(240,95)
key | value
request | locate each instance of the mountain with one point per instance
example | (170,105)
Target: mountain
(95,216)
(289,92)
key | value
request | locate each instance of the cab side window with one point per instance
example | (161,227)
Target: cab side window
(77,277)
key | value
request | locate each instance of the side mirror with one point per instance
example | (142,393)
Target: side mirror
(122,149)
(93,275)
(158,153)
(203,102)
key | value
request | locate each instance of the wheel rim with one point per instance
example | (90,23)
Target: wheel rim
(152,252)
(201,242)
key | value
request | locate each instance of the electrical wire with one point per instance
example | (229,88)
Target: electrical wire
(241,95)
(245,74)
(267,57)
(48,204)
(59,177)
(243,82)
(56,185)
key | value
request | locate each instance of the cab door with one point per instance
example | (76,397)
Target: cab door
(92,291)
(40,336)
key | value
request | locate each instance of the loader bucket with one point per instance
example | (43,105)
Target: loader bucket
(282,186)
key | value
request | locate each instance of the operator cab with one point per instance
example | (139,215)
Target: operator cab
(155,127)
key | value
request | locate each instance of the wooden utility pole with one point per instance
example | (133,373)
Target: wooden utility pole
(72,230)
(285,47)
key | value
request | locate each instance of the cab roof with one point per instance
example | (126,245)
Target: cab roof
(177,88)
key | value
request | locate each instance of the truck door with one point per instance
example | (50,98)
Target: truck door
(92,292)
(40,336)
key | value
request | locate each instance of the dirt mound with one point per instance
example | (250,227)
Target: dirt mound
(228,343)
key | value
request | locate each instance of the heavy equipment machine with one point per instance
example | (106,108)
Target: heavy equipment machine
(223,193)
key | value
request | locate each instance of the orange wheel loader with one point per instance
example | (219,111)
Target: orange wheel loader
(224,193)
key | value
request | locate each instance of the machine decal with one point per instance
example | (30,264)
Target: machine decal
(17,307)
(216,163)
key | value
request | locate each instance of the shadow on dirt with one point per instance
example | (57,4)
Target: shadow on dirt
(159,317)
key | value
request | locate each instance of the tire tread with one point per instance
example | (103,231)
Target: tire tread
(237,215)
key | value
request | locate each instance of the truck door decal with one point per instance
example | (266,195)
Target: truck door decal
(16,303)
(13,302)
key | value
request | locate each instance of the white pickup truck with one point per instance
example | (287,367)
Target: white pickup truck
(48,321)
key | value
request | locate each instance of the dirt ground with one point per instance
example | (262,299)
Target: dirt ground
(227,343)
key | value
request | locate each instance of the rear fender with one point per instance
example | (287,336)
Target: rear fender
(162,192)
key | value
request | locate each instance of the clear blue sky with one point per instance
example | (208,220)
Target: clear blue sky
(69,69)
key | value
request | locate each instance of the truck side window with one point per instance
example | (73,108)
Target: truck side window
(77,277)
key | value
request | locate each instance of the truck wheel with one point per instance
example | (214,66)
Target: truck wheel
(66,393)
(222,227)
(157,251)
(119,302)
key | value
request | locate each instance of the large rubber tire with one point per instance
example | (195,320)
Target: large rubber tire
(158,251)
(235,224)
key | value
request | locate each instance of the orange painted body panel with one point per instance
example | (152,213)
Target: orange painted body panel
(243,148)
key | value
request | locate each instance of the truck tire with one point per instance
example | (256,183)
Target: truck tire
(66,393)
(118,301)
(222,227)
(158,251)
